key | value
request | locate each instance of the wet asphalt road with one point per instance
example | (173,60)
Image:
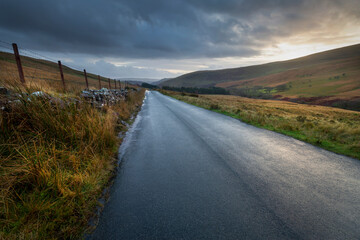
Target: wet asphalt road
(188,173)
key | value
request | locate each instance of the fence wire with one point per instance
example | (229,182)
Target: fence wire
(43,71)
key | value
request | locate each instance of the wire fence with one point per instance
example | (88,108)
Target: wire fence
(45,72)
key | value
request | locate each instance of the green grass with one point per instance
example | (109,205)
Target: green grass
(316,86)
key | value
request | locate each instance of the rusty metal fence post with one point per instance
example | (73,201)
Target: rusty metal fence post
(18,62)
(86,80)
(62,75)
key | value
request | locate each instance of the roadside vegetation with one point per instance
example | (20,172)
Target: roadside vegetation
(333,129)
(55,161)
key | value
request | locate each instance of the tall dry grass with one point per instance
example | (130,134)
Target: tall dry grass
(334,129)
(55,160)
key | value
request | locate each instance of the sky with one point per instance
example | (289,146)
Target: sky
(167,38)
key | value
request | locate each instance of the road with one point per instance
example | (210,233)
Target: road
(189,173)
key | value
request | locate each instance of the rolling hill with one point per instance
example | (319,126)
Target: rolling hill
(319,78)
(46,73)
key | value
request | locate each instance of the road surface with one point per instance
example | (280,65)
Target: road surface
(189,173)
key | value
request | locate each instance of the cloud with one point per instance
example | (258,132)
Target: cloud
(176,30)
(108,69)
(170,29)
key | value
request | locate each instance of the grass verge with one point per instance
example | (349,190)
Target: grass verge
(333,129)
(55,161)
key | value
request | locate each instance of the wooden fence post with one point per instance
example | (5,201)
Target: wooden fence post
(86,80)
(99,82)
(62,75)
(115,83)
(109,84)
(18,62)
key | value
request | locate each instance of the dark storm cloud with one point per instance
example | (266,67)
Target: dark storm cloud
(167,29)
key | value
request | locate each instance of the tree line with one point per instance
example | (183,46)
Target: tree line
(211,90)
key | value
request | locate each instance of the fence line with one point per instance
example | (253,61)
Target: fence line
(38,60)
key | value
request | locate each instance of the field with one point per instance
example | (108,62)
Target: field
(333,129)
(338,79)
(45,73)
(55,157)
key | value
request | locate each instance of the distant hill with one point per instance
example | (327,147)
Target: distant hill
(331,74)
(161,81)
(139,80)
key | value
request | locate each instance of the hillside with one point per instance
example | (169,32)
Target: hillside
(139,80)
(161,81)
(46,73)
(331,74)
